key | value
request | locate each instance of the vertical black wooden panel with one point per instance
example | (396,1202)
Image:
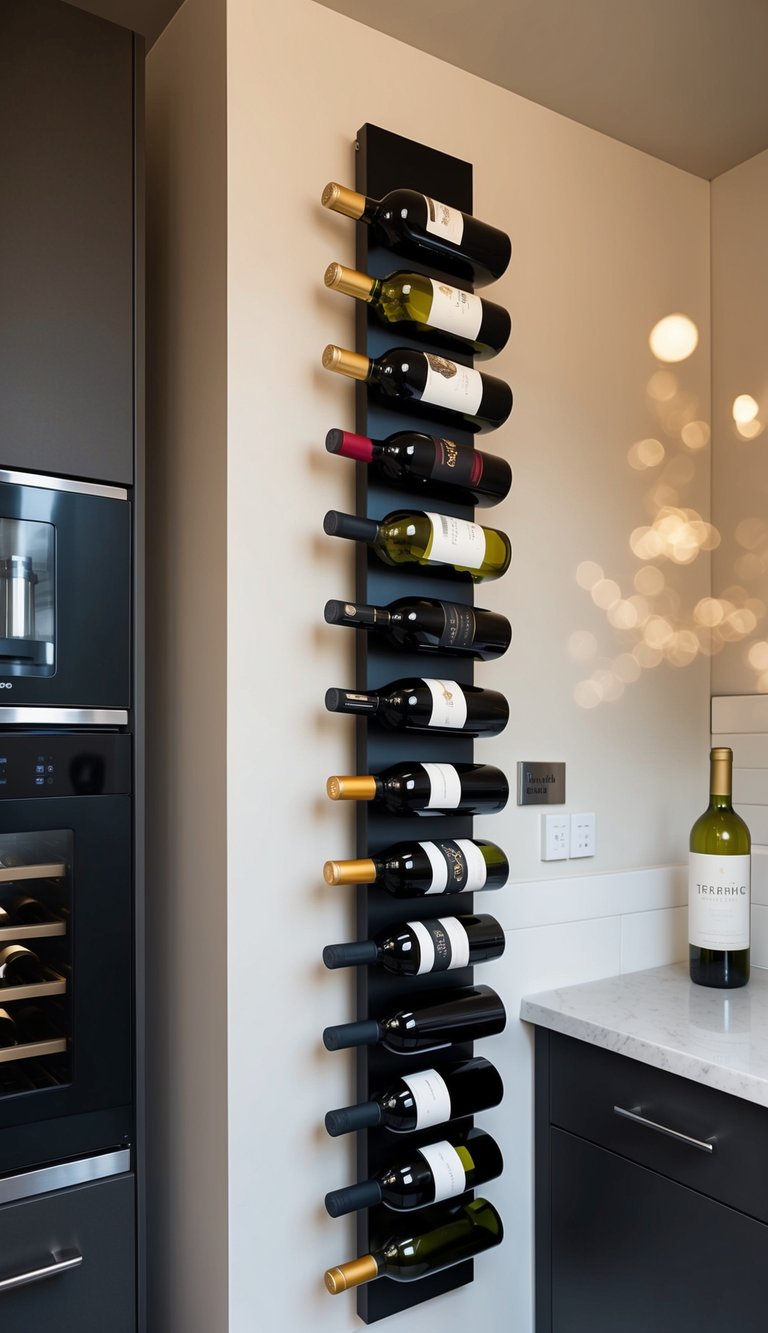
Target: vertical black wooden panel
(384,162)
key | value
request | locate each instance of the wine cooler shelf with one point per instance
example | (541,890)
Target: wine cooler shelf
(33,1050)
(15,874)
(34,991)
(416,567)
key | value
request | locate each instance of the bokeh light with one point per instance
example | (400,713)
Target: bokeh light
(674,338)
(745,409)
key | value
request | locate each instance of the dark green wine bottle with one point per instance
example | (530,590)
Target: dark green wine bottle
(719,885)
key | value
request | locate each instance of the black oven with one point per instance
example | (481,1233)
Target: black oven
(66,945)
(65,601)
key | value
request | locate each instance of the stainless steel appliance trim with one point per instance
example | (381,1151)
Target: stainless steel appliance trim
(63,484)
(65,717)
(60,1262)
(702,1144)
(64,1175)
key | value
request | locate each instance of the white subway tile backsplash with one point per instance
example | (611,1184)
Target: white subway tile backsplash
(583,897)
(750,786)
(740,712)
(756,817)
(750,749)
(759,941)
(760,876)
(653,939)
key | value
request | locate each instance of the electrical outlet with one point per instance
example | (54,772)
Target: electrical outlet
(554,837)
(583,835)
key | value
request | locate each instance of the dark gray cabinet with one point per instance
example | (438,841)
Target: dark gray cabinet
(637,1229)
(93,1222)
(68,241)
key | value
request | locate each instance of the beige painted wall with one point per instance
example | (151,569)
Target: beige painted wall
(607,241)
(186,638)
(740,366)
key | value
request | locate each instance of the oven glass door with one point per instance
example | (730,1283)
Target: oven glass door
(65,596)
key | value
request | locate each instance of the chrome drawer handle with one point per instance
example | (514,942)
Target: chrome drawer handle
(701,1144)
(60,1263)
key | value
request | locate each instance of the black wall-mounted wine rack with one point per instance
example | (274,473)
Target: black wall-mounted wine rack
(386,161)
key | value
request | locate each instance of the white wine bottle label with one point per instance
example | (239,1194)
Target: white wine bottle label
(431,1098)
(456,541)
(455,311)
(444,786)
(459,388)
(447,1169)
(477,870)
(443,945)
(439,862)
(718,901)
(444,221)
(449,704)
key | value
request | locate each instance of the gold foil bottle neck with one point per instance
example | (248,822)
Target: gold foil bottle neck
(346,363)
(721,777)
(342,200)
(349,281)
(350,872)
(351,788)
(351,1274)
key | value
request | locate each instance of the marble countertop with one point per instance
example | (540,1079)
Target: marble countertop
(715,1037)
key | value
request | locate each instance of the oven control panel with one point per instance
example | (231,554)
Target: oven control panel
(36,764)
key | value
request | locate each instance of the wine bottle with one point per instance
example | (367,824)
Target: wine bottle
(25,911)
(413,303)
(414,948)
(428,539)
(423,382)
(466,1014)
(413,869)
(428,625)
(429,464)
(417,1101)
(419,227)
(719,885)
(19,966)
(427,789)
(422,1176)
(457,1232)
(38,1023)
(426,704)
(8,1034)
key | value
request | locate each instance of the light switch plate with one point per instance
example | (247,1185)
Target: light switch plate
(555,831)
(583,835)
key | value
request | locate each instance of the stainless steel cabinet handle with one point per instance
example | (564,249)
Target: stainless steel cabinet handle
(60,1263)
(701,1144)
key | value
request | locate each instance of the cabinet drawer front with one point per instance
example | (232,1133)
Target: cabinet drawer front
(95,1222)
(589,1083)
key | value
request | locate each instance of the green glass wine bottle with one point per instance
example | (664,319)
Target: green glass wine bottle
(719,885)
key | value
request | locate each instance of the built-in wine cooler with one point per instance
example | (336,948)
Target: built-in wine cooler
(426,949)
(66,945)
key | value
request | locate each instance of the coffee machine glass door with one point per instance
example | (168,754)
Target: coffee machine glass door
(27,597)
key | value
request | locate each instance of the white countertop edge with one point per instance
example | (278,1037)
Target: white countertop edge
(559,1010)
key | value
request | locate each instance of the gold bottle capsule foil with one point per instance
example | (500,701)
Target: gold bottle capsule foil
(346,363)
(349,281)
(721,758)
(350,872)
(351,1274)
(342,200)
(351,788)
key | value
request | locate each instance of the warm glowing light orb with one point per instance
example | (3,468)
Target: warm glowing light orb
(695,435)
(662,386)
(605,593)
(744,408)
(757,656)
(649,580)
(749,430)
(588,573)
(674,338)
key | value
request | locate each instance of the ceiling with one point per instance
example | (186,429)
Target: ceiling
(683,80)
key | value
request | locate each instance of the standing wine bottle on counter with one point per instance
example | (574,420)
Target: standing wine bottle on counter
(418,1101)
(421,381)
(719,885)
(414,869)
(424,538)
(427,789)
(428,625)
(466,1014)
(458,1233)
(429,464)
(412,303)
(419,227)
(414,948)
(426,1175)
(425,704)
